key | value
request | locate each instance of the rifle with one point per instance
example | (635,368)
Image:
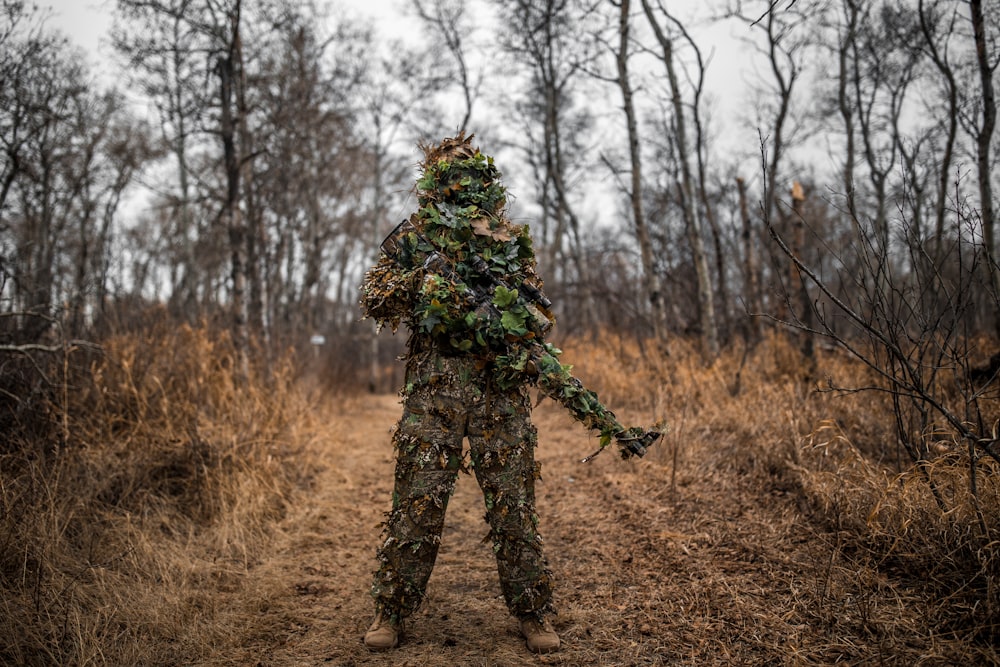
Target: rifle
(539,359)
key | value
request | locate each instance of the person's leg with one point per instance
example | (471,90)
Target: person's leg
(428,444)
(503,440)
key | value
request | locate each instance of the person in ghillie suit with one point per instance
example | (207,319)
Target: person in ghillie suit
(462,278)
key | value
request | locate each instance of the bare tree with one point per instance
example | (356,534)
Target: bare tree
(936,41)
(397,97)
(751,271)
(692,193)
(918,348)
(546,41)
(228,67)
(784,40)
(110,150)
(47,174)
(986,65)
(128,148)
(846,45)
(884,69)
(784,52)
(23,46)
(63,178)
(312,176)
(166,47)
(447,20)
(654,290)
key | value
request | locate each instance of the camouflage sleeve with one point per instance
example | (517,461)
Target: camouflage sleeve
(389,292)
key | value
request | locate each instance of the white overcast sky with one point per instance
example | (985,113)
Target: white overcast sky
(87,22)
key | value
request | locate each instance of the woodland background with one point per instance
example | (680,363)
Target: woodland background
(172,246)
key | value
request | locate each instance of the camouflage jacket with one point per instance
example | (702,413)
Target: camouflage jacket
(462,219)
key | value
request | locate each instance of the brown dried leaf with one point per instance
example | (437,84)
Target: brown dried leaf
(481,226)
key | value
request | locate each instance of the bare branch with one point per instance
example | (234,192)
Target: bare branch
(38,347)
(774,3)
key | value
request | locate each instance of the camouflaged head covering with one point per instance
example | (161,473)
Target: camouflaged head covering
(450,149)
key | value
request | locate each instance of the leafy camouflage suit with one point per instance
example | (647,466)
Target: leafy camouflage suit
(448,398)
(467,375)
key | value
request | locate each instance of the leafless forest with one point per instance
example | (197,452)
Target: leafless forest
(794,264)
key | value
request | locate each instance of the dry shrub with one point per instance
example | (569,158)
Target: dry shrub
(623,370)
(128,528)
(153,483)
(189,429)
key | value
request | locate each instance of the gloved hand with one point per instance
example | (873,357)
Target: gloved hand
(631,441)
(636,440)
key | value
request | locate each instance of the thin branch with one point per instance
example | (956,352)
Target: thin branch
(37,347)
(770,9)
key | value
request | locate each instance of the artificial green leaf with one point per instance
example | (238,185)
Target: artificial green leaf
(513,322)
(503,297)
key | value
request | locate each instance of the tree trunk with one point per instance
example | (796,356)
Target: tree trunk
(797,285)
(752,284)
(689,203)
(843,104)
(231,215)
(653,289)
(254,226)
(183,289)
(983,140)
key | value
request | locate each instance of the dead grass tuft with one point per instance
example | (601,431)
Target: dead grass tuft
(922,531)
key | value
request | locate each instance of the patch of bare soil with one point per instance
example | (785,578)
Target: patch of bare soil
(654,565)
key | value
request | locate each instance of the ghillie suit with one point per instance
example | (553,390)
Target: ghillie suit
(462,278)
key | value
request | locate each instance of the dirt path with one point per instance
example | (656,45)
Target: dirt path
(651,567)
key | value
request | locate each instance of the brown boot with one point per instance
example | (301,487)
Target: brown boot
(383,633)
(539,635)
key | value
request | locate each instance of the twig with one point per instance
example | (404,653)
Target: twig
(769,10)
(38,347)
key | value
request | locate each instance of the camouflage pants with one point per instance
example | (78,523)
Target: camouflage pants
(446,400)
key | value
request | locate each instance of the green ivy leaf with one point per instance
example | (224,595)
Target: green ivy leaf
(503,297)
(513,322)
(428,323)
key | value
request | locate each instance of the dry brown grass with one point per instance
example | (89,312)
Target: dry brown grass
(889,532)
(895,575)
(190,519)
(156,480)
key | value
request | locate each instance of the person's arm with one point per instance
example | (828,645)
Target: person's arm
(389,292)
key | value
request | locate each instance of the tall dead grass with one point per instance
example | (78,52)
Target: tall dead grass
(913,536)
(129,500)
(923,528)
(133,504)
